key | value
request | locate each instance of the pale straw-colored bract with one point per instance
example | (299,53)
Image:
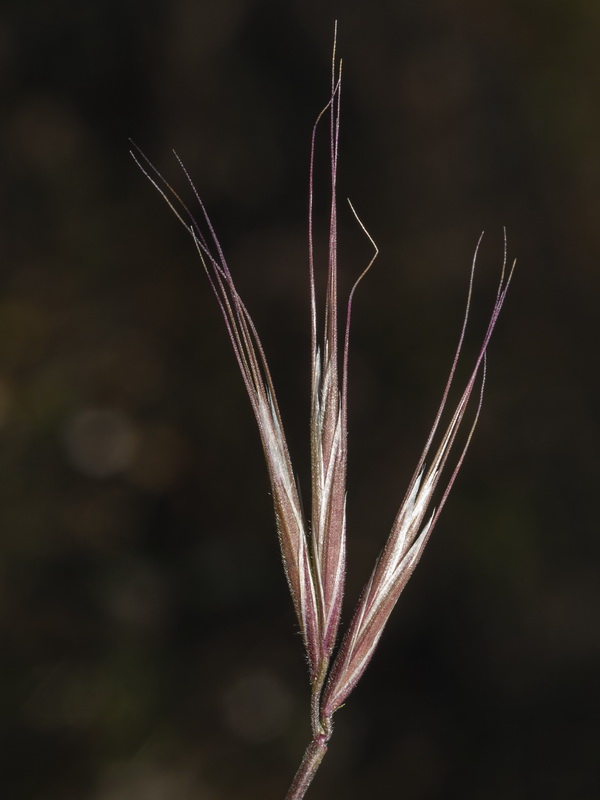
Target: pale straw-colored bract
(314,555)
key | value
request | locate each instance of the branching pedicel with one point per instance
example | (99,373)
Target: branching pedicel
(314,555)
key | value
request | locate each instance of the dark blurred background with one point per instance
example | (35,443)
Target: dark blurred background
(149,648)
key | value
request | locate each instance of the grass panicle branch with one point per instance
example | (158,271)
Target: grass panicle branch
(314,556)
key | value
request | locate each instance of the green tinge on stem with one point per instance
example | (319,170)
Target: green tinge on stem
(307,769)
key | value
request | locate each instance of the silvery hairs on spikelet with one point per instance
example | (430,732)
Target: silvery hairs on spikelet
(314,554)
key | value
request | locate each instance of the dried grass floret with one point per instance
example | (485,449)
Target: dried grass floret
(314,556)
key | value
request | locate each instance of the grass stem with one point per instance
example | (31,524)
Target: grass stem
(307,769)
